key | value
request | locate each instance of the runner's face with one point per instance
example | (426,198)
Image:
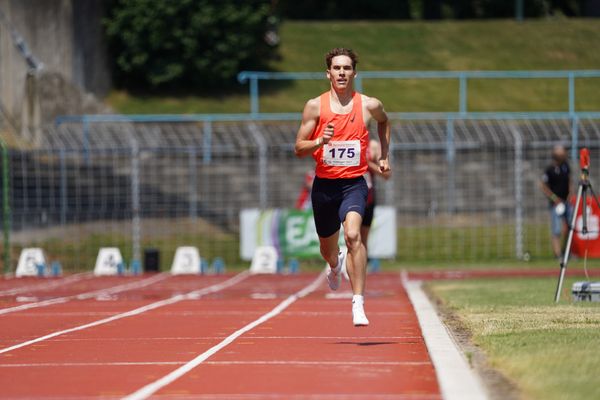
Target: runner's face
(341,74)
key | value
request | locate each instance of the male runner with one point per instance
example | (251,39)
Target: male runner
(334,131)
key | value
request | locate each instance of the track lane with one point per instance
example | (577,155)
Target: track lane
(33,323)
(172,334)
(388,359)
(13,286)
(88,289)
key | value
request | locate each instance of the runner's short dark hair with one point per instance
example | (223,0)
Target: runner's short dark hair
(341,51)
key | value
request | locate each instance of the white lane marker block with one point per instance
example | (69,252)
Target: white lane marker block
(29,259)
(264,260)
(456,378)
(186,261)
(107,262)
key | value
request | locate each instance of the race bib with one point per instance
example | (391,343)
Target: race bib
(344,153)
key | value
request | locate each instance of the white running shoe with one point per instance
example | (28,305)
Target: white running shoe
(334,275)
(344,269)
(358,315)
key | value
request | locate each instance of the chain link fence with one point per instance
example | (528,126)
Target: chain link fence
(465,187)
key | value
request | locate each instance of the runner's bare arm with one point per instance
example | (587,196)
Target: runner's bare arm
(374,168)
(310,117)
(376,110)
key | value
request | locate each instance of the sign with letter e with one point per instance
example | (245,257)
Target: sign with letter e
(29,259)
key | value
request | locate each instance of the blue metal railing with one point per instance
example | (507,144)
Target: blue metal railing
(253,77)
(208,119)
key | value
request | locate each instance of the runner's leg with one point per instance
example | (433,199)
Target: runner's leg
(364,236)
(356,263)
(330,249)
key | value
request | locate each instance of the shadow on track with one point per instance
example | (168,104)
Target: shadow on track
(366,343)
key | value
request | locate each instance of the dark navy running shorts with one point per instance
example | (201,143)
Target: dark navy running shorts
(368,217)
(332,199)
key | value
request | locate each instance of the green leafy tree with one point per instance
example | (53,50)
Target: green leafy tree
(186,43)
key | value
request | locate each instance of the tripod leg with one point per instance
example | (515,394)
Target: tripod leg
(584,216)
(593,194)
(563,264)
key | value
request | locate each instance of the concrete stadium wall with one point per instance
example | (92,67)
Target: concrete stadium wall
(66,36)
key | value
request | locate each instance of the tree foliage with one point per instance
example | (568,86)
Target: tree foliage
(186,43)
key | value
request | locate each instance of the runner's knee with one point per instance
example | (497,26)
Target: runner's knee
(352,237)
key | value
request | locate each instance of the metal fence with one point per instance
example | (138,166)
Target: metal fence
(465,186)
(463,77)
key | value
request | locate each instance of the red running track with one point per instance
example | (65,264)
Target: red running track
(309,350)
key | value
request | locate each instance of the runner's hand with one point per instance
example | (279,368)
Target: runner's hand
(327,133)
(384,165)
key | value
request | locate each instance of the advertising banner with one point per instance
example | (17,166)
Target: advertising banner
(293,234)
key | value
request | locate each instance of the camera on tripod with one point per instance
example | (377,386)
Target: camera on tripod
(580,290)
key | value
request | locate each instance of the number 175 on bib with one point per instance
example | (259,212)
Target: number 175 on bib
(342,153)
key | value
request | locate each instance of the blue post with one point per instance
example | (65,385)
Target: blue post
(571,93)
(193,183)
(121,268)
(519,10)
(203,266)
(136,267)
(86,140)
(254,100)
(450,156)
(41,270)
(280,266)
(462,94)
(56,269)
(375,265)
(293,266)
(218,266)
(207,142)
(358,84)
(63,188)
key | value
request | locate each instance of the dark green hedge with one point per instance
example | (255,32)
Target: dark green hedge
(186,43)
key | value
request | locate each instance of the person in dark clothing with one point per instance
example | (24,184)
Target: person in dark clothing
(556,186)
(373,155)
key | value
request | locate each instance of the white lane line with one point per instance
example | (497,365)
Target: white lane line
(354,338)
(318,362)
(87,295)
(457,380)
(50,284)
(287,396)
(266,362)
(208,313)
(155,386)
(171,300)
(90,364)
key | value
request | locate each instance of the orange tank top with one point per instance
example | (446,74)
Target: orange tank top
(345,156)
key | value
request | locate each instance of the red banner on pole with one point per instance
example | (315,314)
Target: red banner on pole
(591,240)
